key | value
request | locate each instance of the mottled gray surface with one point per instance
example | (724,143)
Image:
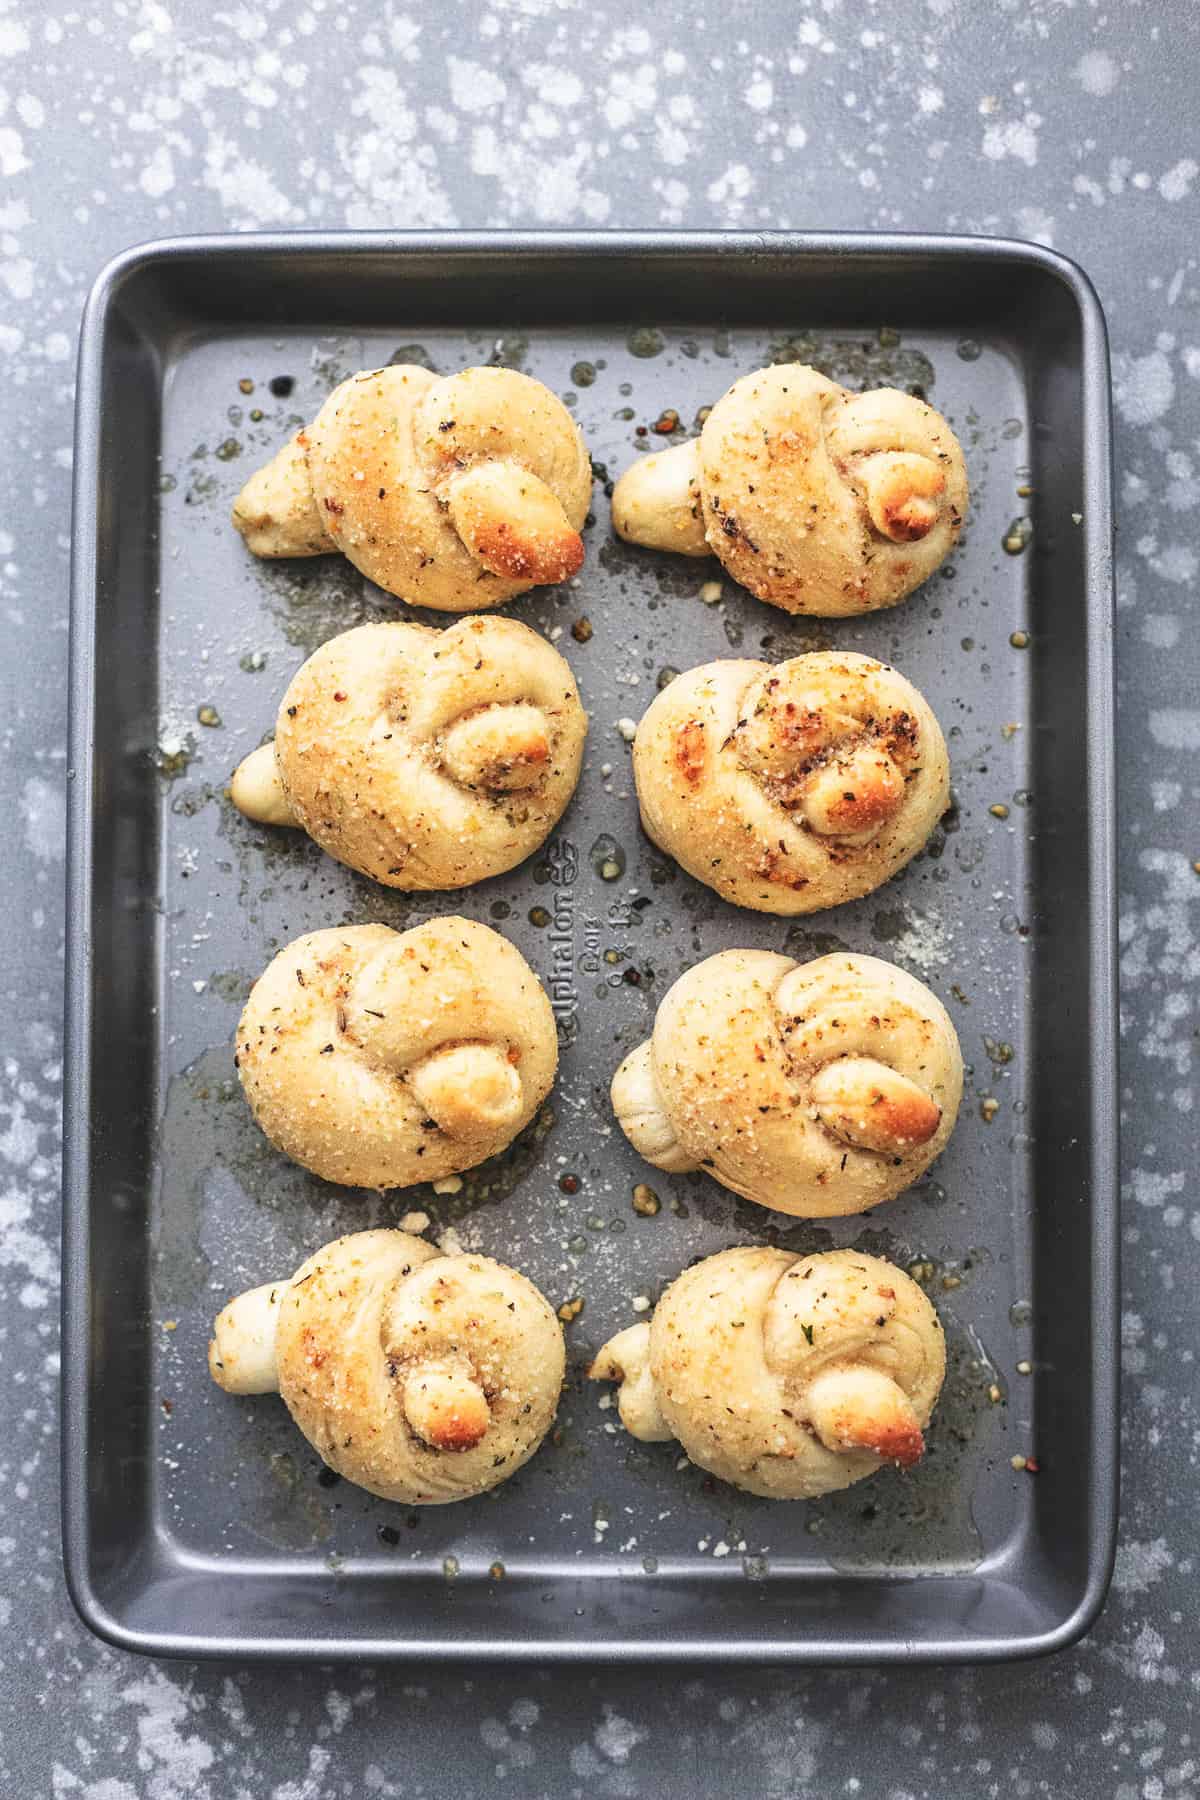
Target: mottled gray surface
(1061,122)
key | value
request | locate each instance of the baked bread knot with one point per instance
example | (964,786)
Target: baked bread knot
(789,1376)
(792,787)
(816,499)
(424,759)
(380,1058)
(818,1088)
(421,1377)
(455,492)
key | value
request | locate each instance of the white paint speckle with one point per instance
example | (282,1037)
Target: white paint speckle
(730,191)
(1161,630)
(630,92)
(1016,138)
(12,151)
(474,89)
(1097,73)
(1149,1648)
(246,188)
(1175,729)
(158,176)
(1176,563)
(1139,1566)
(1036,223)
(529,179)
(391,177)
(1150,1188)
(175,1761)
(554,85)
(44,810)
(616,1737)
(1176,184)
(1143,387)
(760,93)
(21,1246)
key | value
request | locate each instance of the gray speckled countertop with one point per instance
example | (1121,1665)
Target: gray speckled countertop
(1063,122)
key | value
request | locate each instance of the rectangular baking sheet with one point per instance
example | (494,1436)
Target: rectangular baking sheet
(195,1524)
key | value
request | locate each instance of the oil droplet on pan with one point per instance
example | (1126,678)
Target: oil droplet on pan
(608,858)
(645,341)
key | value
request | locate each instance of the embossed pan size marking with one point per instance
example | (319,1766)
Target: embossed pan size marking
(196,1525)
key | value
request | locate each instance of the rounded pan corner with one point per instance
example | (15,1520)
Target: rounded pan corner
(1077,1619)
(108,1625)
(1041,256)
(92,1611)
(1069,1630)
(121,268)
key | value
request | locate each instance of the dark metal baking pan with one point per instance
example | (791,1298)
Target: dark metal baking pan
(199,1525)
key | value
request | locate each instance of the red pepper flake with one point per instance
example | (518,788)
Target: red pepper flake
(1032,1466)
(667,422)
(569,1184)
(339,695)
